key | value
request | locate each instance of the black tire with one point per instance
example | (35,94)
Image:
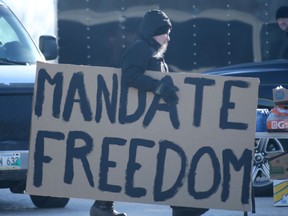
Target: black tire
(49,202)
(264,147)
(264,191)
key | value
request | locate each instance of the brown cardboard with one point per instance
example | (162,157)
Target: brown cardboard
(92,139)
(279,167)
(280,96)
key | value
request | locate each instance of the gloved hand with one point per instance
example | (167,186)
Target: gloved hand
(167,92)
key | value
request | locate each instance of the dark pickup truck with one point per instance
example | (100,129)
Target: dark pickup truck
(271,74)
(18,56)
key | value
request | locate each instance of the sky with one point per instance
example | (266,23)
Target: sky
(38,16)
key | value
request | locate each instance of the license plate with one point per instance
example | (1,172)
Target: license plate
(10,161)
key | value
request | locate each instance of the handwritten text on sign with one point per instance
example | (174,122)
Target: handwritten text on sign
(93,138)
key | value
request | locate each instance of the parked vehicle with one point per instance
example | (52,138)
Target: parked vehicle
(18,56)
(271,74)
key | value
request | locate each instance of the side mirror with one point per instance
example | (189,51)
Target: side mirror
(48,46)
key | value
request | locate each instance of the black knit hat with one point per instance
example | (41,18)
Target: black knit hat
(282,12)
(152,21)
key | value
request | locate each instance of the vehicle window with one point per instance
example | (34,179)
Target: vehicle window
(16,46)
(7,34)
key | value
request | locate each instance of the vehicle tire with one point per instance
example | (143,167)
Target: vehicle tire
(264,148)
(264,191)
(49,202)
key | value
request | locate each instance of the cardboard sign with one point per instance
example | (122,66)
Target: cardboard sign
(279,166)
(94,138)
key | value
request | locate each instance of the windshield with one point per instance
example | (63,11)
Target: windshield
(16,46)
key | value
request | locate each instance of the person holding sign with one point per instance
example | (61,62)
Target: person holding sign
(147,53)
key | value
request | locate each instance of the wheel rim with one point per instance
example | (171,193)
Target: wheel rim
(264,147)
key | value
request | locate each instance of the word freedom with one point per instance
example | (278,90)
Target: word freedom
(81,153)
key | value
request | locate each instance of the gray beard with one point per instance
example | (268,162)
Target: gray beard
(160,53)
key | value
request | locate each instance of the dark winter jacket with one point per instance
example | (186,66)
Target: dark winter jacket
(139,57)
